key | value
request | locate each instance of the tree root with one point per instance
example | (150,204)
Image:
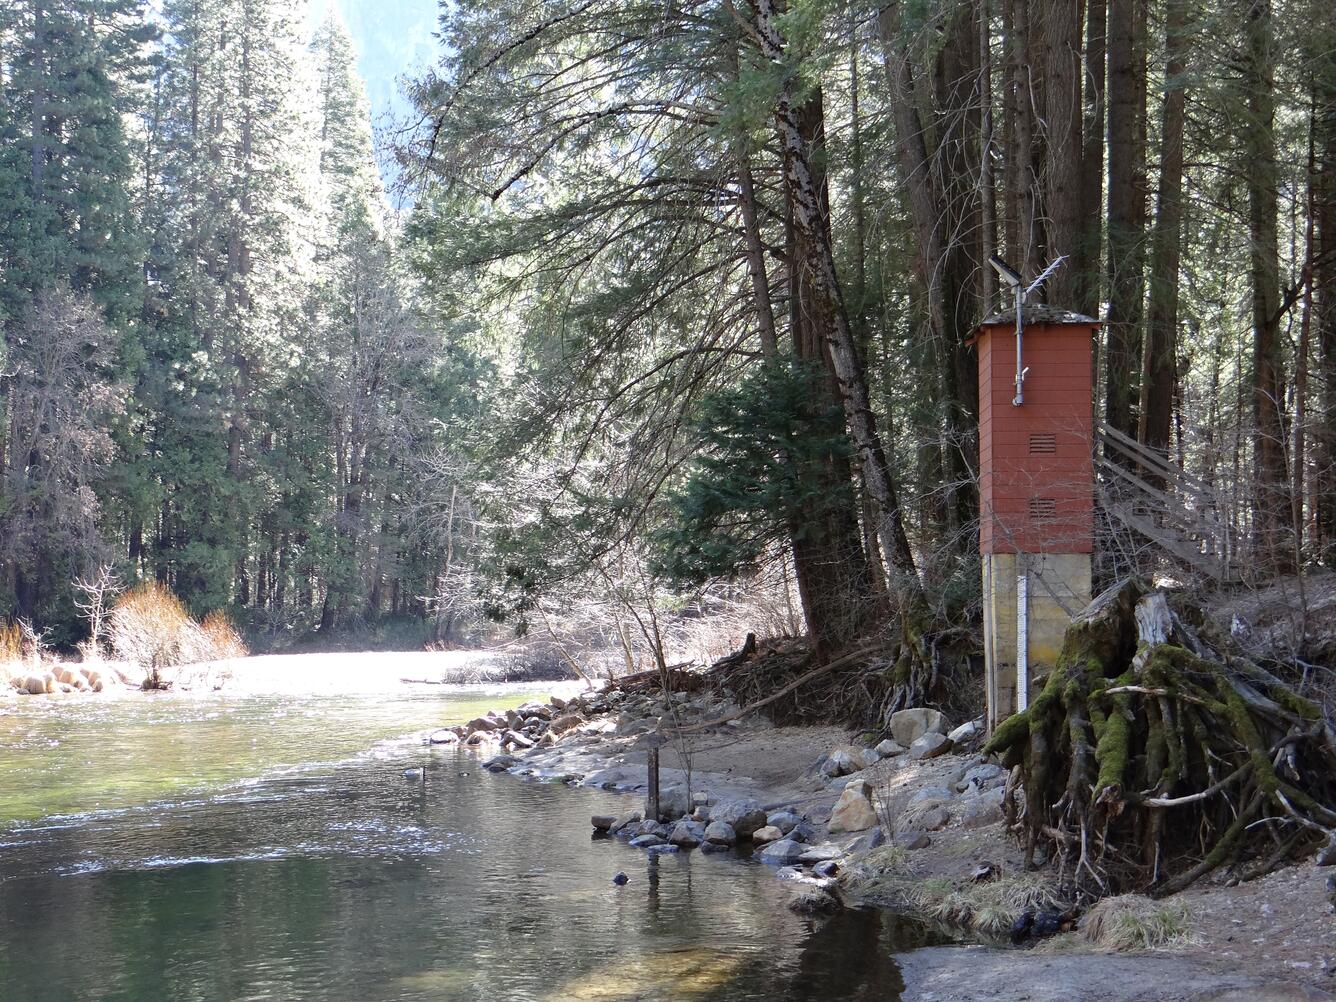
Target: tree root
(1150,759)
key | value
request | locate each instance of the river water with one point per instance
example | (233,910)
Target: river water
(165,848)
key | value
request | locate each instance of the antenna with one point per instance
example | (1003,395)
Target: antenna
(1043,276)
(1005,271)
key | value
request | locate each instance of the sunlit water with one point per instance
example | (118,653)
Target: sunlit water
(270,848)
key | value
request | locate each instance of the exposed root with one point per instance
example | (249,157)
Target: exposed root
(1151,758)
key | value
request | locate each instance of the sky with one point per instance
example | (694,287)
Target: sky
(394,38)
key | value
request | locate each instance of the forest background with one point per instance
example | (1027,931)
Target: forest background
(674,323)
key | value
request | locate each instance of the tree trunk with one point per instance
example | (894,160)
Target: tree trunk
(818,263)
(1157,396)
(1271,504)
(1127,213)
(1063,142)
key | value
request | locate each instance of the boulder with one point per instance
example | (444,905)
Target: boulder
(930,818)
(911,840)
(566,722)
(966,733)
(930,745)
(645,841)
(844,760)
(853,812)
(984,809)
(673,802)
(889,749)
(557,703)
(907,726)
(623,821)
(767,834)
(650,827)
(860,785)
(34,685)
(981,776)
(444,736)
(602,822)
(866,843)
(781,853)
(481,724)
(743,816)
(499,763)
(720,833)
(517,740)
(785,821)
(930,795)
(821,853)
(687,834)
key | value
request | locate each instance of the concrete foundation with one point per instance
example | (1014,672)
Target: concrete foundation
(1057,587)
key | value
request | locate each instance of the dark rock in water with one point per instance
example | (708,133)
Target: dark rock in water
(659,850)
(413,774)
(645,841)
(620,879)
(602,822)
(1047,924)
(499,763)
(1020,929)
(826,868)
(709,847)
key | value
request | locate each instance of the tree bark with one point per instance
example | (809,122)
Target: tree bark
(1157,398)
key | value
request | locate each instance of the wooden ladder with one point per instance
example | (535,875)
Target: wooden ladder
(1146,492)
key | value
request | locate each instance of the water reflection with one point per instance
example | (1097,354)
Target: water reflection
(351,884)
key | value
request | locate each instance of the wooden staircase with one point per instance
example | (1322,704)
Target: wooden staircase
(1143,491)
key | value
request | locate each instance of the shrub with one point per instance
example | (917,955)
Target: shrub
(224,640)
(148,625)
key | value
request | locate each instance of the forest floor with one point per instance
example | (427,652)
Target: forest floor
(1272,939)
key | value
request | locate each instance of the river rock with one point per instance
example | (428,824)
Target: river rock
(911,840)
(844,760)
(673,802)
(499,763)
(783,852)
(930,795)
(826,868)
(566,722)
(785,821)
(665,848)
(624,821)
(907,726)
(557,703)
(645,841)
(481,724)
(984,809)
(744,816)
(853,811)
(821,853)
(980,776)
(889,748)
(866,843)
(930,818)
(966,733)
(720,833)
(687,834)
(444,736)
(602,822)
(929,745)
(34,685)
(767,834)
(652,827)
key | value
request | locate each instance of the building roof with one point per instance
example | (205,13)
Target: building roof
(1038,313)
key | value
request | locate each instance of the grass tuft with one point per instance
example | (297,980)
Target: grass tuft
(1134,922)
(990,908)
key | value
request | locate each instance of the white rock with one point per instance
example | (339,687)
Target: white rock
(767,834)
(889,748)
(929,745)
(853,813)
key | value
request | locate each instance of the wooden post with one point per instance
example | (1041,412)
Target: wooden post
(653,783)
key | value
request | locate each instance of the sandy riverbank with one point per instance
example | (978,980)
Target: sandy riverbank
(1272,939)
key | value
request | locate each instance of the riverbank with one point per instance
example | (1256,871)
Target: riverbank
(947,855)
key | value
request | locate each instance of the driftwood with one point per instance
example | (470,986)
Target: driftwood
(1153,757)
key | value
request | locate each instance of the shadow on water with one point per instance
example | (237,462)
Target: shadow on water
(349,883)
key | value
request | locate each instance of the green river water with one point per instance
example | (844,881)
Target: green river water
(159,848)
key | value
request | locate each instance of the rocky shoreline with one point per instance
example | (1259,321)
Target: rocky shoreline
(842,822)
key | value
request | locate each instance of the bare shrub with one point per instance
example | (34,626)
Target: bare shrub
(223,637)
(94,592)
(147,627)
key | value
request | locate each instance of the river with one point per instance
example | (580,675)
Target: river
(156,848)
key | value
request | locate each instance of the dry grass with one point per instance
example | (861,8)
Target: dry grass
(223,637)
(1133,922)
(991,907)
(11,644)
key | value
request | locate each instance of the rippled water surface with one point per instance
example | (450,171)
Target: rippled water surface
(271,849)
